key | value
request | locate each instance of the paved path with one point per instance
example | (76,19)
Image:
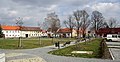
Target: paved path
(114,47)
(43,53)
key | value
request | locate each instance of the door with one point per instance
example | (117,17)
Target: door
(26,35)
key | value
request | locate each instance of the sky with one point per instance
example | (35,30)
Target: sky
(34,11)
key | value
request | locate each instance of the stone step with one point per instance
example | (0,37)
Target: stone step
(113,43)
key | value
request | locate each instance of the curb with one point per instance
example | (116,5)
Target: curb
(113,58)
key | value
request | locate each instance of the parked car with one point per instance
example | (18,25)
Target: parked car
(113,37)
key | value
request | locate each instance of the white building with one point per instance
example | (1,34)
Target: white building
(14,31)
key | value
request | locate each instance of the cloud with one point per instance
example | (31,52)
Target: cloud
(33,11)
(108,9)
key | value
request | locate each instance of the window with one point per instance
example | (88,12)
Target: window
(118,36)
(15,31)
(6,31)
(114,36)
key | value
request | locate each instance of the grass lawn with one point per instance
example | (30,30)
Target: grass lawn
(29,43)
(93,45)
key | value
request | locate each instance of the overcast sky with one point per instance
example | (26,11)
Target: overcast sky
(33,11)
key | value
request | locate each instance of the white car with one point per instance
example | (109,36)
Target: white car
(113,37)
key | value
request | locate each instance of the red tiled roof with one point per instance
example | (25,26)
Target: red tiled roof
(67,30)
(30,29)
(64,30)
(5,27)
(108,30)
(44,31)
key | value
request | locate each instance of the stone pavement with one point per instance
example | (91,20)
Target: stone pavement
(43,53)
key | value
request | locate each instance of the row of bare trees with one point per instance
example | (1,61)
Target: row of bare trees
(80,20)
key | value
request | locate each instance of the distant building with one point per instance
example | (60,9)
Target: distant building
(66,32)
(104,31)
(15,31)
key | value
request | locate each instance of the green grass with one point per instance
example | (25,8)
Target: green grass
(93,45)
(29,43)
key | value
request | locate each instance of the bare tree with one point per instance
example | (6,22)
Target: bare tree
(85,22)
(97,21)
(70,24)
(40,42)
(77,15)
(53,22)
(19,23)
(112,23)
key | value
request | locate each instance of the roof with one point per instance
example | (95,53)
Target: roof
(5,27)
(64,30)
(109,30)
(30,29)
(67,30)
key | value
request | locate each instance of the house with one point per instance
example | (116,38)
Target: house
(10,31)
(30,31)
(44,33)
(16,31)
(66,32)
(104,31)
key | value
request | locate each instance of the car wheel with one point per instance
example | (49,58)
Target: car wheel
(110,40)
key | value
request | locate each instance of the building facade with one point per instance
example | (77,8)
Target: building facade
(66,32)
(15,31)
(104,31)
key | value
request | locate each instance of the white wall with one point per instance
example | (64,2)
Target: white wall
(31,33)
(18,33)
(11,33)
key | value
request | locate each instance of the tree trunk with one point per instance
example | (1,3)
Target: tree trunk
(78,32)
(71,33)
(19,43)
(40,43)
(52,40)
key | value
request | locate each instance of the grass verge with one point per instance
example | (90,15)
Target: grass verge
(93,45)
(29,43)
